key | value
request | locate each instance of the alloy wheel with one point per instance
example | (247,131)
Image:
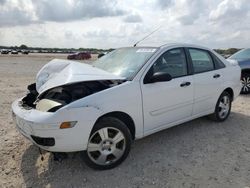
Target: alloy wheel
(106,146)
(245,84)
(224,106)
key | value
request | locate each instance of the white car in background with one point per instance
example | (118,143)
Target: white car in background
(125,95)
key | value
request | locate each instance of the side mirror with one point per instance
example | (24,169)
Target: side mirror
(159,77)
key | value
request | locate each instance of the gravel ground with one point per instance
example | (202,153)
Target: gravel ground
(200,153)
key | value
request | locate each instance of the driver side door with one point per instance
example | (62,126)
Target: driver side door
(167,102)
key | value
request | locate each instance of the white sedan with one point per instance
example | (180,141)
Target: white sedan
(125,95)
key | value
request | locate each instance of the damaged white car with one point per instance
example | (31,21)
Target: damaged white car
(125,95)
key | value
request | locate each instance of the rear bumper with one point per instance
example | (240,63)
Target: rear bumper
(237,90)
(43,128)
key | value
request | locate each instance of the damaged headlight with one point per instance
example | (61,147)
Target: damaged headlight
(46,105)
(55,98)
(28,101)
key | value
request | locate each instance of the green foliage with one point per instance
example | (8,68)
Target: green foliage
(23,47)
(229,51)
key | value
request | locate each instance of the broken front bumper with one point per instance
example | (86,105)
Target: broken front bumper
(43,128)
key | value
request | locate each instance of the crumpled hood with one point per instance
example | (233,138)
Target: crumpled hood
(60,72)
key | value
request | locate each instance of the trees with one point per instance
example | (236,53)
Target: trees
(23,47)
(228,51)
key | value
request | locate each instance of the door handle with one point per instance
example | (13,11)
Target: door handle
(185,84)
(216,76)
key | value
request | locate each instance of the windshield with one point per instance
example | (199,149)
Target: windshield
(125,62)
(242,54)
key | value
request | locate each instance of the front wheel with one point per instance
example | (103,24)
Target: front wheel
(108,145)
(223,107)
(245,80)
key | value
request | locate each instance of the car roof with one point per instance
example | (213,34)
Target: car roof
(172,45)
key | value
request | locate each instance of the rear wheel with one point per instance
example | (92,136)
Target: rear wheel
(108,145)
(245,80)
(223,107)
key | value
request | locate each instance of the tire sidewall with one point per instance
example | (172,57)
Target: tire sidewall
(217,106)
(118,124)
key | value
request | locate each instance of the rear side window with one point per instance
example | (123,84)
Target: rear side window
(202,61)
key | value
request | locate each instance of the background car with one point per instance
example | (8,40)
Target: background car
(26,52)
(4,51)
(14,52)
(80,56)
(243,58)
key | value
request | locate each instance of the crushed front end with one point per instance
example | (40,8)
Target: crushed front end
(44,115)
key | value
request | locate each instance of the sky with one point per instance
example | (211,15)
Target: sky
(117,23)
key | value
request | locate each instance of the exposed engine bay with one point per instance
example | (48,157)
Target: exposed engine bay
(55,98)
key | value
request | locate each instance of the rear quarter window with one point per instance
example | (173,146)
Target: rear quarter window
(217,62)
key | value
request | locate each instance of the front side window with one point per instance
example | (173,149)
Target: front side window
(202,61)
(172,62)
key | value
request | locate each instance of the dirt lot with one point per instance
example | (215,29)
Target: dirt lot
(199,153)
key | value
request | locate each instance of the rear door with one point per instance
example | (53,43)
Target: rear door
(207,80)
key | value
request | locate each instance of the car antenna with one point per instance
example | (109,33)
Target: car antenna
(146,36)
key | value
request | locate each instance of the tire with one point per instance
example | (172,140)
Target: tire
(245,80)
(109,144)
(223,107)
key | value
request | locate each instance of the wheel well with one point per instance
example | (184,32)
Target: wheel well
(125,118)
(230,91)
(245,71)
